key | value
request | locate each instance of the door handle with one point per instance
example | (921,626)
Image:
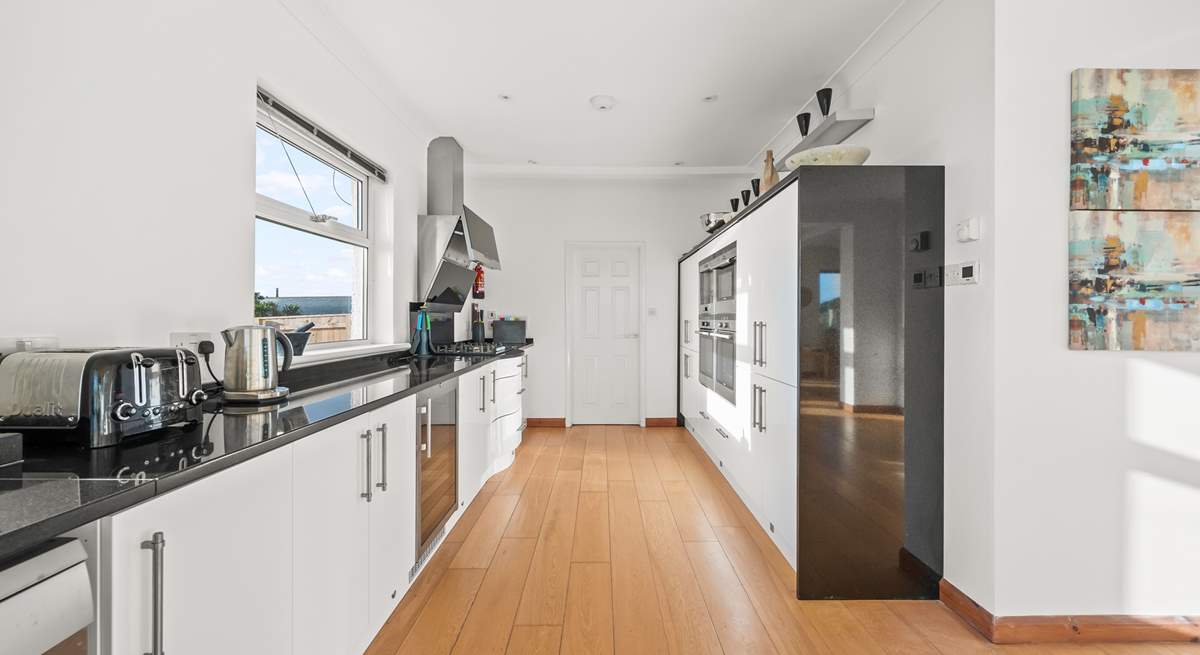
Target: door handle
(429,420)
(721,432)
(156,545)
(762,343)
(382,484)
(754,406)
(687,333)
(525,367)
(703,415)
(367,494)
(482,394)
(493,389)
(762,395)
(687,370)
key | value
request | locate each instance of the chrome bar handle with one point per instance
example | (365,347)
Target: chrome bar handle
(754,405)
(429,430)
(382,484)
(367,494)
(704,416)
(493,386)
(762,343)
(525,366)
(687,334)
(482,394)
(181,373)
(762,395)
(721,432)
(155,545)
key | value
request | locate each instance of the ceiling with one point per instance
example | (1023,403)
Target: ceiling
(658,58)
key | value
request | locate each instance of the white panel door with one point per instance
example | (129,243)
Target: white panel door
(768,268)
(475,413)
(331,552)
(226,563)
(689,301)
(392,512)
(776,462)
(605,313)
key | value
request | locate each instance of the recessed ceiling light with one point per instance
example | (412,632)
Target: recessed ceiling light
(603,103)
(504,97)
(678,163)
(711,98)
(533,161)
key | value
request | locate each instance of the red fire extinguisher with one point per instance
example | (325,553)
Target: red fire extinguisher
(477,290)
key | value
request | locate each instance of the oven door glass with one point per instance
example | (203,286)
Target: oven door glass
(706,360)
(725,363)
(726,282)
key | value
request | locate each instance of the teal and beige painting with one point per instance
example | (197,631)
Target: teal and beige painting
(1134,280)
(1135,139)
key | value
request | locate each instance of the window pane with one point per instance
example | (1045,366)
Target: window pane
(301,277)
(330,190)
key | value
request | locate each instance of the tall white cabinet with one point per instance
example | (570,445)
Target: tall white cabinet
(753,441)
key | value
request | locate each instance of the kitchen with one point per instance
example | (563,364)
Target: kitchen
(631,474)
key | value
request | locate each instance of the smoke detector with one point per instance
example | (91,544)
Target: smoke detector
(603,103)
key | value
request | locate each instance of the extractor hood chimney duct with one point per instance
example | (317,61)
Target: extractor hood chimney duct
(450,236)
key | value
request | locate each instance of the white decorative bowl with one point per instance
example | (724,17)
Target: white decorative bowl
(838,155)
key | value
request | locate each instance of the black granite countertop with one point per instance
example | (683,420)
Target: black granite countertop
(59,487)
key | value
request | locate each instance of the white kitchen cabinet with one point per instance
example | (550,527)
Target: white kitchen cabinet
(768,263)
(332,556)
(776,462)
(689,301)
(226,561)
(475,414)
(392,521)
(689,387)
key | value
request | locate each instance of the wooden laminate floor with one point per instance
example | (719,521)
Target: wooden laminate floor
(615,539)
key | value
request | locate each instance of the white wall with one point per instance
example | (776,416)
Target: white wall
(1097,455)
(127,177)
(535,217)
(928,73)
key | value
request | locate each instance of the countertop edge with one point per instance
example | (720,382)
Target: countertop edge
(14,542)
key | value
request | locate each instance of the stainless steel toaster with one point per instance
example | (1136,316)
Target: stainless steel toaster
(97,397)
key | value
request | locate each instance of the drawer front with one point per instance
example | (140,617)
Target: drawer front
(508,395)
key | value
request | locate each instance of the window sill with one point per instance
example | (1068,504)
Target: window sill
(343,352)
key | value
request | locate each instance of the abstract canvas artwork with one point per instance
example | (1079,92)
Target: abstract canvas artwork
(1135,139)
(1134,280)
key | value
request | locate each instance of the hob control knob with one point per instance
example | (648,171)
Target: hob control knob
(198,396)
(124,411)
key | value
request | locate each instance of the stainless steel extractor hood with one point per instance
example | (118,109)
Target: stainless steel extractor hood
(451,236)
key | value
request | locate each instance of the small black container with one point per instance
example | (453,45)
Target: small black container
(746,197)
(754,185)
(825,100)
(733,203)
(804,120)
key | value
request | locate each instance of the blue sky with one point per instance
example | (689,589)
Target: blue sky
(295,262)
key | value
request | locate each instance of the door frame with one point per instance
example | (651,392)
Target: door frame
(571,247)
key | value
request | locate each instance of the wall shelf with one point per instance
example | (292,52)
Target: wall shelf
(834,129)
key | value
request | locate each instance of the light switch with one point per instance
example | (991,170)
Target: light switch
(652,311)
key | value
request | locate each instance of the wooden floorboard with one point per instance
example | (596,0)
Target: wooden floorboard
(612,539)
(588,625)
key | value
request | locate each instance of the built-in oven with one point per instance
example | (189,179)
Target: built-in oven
(706,353)
(437,462)
(718,322)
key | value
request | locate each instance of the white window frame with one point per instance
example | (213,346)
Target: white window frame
(281,213)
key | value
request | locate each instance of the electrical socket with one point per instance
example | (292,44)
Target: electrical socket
(189,340)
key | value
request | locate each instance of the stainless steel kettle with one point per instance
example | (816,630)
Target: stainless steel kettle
(252,363)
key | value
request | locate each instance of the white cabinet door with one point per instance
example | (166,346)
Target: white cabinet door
(689,400)
(689,301)
(475,411)
(776,462)
(331,550)
(226,564)
(392,541)
(768,266)
(743,442)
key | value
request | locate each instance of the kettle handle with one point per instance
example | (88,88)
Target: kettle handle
(287,349)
